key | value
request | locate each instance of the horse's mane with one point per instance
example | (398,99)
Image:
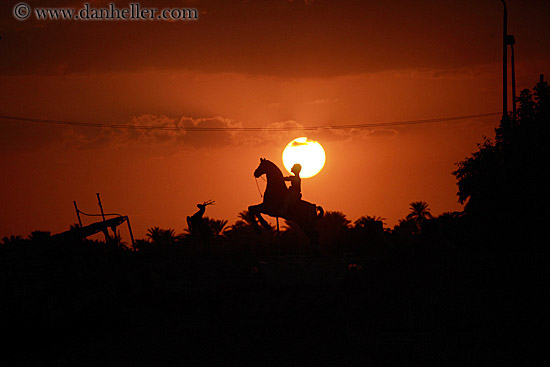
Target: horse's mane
(277,169)
(275,190)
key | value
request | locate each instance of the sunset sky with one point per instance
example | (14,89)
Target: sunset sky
(268,63)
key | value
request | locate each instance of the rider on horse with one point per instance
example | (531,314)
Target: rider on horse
(295,190)
(278,197)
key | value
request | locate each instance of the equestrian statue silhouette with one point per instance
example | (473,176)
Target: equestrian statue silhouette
(276,203)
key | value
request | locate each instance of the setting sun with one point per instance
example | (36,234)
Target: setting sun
(308,153)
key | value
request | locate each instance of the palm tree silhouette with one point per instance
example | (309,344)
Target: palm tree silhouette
(161,237)
(419,213)
(243,223)
(244,218)
(169,236)
(333,228)
(116,241)
(154,234)
(335,219)
(242,228)
(216,225)
(367,221)
(142,244)
(39,236)
(12,240)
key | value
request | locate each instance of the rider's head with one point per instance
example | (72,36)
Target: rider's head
(296,169)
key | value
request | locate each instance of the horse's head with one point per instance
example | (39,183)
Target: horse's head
(262,168)
(275,189)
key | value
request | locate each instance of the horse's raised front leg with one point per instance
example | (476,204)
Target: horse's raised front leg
(263,221)
(252,213)
(255,213)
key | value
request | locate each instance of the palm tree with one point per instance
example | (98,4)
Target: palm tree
(162,237)
(405,229)
(335,219)
(450,215)
(245,218)
(39,237)
(333,224)
(116,241)
(168,236)
(216,225)
(243,228)
(367,221)
(154,234)
(369,227)
(419,213)
(141,244)
(12,240)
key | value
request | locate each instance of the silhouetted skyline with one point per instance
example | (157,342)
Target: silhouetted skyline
(452,289)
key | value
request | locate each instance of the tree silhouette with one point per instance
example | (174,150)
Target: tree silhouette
(241,234)
(419,212)
(154,234)
(12,240)
(142,244)
(404,229)
(503,184)
(161,237)
(333,230)
(244,218)
(116,241)
(39,237)
(368,236)
(335,219)
(367,221)
(243,224)
(217,226)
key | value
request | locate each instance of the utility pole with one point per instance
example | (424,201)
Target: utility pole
(504,63)
(511,42)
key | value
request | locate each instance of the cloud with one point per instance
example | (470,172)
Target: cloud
(285,39)
(292,129)
(389,133)
(158,130)
(351,134)
(324,101)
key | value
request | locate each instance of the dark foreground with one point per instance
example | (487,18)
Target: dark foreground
(65,306)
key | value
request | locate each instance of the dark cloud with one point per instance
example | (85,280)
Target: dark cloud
(150,133)
(276,37)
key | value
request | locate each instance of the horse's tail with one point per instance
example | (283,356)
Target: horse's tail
(320,211)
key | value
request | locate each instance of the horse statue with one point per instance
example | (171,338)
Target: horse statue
(302,212)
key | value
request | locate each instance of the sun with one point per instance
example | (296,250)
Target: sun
(308,153)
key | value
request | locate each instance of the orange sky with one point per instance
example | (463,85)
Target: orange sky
(251,63)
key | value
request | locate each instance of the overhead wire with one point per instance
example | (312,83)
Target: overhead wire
(244,129)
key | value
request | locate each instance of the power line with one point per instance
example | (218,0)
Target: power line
(281,128)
